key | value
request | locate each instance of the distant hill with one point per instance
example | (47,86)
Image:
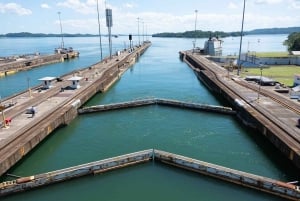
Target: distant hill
(287,30)
(207,34)
(197,34)
(187,34)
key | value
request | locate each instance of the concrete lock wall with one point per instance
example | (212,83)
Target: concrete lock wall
(30,63)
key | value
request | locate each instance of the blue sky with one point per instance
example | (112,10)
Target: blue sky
(80,16)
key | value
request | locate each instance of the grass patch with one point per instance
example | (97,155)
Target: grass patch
(270,54)
(282,74)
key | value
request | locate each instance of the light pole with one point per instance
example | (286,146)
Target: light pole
(194,43)
(143,31)
(241,41)
(28,86)
(2,108)
(109,24)
(138,19)
(99,31)
(61,32)
(258,94)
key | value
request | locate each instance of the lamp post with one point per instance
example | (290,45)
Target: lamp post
(28,86)
(194,42)
(99,31)
(2,108)
(258,94)
(138,20)
(241,41)
(143,31)
(62,37)
(109,24)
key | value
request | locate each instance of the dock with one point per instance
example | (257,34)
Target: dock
(157,101)
(55,103)
(277,188)
(11,65)
(268,112)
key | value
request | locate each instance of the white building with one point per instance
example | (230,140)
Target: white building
(75,82)
(296,80)
(47,82)
(295,92)
(213,47)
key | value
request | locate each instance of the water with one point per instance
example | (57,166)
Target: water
(215,138)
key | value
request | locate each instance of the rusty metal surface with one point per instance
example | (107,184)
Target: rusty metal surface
(157,101)
(261,183)
(268,185)
(27,183)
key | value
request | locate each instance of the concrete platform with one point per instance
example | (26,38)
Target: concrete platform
(273,115)
(55,106)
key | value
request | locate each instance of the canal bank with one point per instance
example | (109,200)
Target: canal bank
(275,117)
(7,68)
(205,136)
(57,106)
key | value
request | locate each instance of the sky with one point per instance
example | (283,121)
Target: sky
(145,16)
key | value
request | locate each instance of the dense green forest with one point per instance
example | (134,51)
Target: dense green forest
(206,34)
(197,34)
(293,42)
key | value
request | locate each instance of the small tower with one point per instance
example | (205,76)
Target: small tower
(47,82)
(75,82)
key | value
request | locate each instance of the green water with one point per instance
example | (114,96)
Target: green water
(214,138)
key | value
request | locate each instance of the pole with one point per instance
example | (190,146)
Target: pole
(109,41)
(139,30)
(196,12)
(143,32)
(61,32)
(99,31)
(28,85)
(146,33)
(259,83)
(241,41)
(109,24)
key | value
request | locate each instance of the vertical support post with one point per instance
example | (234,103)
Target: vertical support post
(138,19)
(143,32)
(61,32)
(258,94)
(109,24)
(194,43)
(241,40)
(99,31)
(28,86)
(3,118)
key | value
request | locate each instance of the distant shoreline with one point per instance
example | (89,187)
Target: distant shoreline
(186,34)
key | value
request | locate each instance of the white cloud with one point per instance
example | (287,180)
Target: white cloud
(83,7)
(294,4)
(44,5)
(129,5)
(268,1)
(79,25)
(232,5)
(77,6)
(14,8)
